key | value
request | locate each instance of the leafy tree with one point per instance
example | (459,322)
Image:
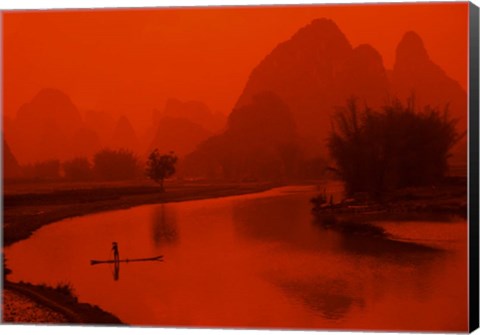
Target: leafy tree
(160,167)
(77,169)
(115,164)
(396,147)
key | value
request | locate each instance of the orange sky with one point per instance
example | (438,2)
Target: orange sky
(131,61)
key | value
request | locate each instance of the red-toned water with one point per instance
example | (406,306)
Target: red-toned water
(254,261)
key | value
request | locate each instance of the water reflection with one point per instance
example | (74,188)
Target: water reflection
(164,225)
(114,264)
(331,298)
(116,271)
(256,261)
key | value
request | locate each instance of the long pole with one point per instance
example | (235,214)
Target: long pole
(158,258)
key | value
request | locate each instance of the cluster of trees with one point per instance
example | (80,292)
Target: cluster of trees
(381,150)
(107,164)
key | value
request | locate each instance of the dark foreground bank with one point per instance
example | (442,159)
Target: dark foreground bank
(27,303)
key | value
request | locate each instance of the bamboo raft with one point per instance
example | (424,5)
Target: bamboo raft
(111,261)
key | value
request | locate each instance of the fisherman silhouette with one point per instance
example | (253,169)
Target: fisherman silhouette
(116,256)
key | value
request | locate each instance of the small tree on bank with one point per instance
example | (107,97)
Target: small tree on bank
(160,167)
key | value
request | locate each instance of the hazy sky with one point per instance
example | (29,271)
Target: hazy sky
(131,61)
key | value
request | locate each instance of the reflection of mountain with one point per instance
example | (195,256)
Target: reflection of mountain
(332,298)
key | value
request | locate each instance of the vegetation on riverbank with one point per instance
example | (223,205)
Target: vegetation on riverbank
(62,300)
(396,147)
(448,197)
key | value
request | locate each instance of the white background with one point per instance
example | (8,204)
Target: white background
(43,4)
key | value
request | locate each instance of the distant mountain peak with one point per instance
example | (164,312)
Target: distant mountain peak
(320,32)
(51,92)
(368,51)
(322,25)
(411,48)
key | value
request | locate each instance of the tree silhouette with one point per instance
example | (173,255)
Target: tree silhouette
(396,147)
(160,167)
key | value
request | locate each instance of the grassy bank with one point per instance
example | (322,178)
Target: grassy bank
(62,301)
(25,212)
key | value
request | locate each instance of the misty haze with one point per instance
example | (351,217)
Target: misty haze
(295,167)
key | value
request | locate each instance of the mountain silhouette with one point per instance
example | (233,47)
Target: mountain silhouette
(260,142)
(124,136)
(314,72)
(179,135)
(11,168)
(364,77)
(102,123)
(181,126)
(42,127)
(194,111)
(415,73)
(85,142)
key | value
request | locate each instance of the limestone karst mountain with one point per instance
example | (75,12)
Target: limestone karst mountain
(260,142)
(181,126)
(179,135)
(102,123)
(414,73)
(42,127)
(317,70)
(196,112)
(11,168)
(124,136)
(304,72)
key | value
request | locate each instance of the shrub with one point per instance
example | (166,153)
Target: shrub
(377,151)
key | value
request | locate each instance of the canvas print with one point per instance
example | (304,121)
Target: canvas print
(279,167)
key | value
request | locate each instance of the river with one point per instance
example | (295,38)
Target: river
(256,260)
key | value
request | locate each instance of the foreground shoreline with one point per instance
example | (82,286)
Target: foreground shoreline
(63,308)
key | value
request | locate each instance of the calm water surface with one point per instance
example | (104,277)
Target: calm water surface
(256,260)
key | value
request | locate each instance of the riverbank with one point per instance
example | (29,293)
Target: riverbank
(27,303)
(28,211)
(449,197)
